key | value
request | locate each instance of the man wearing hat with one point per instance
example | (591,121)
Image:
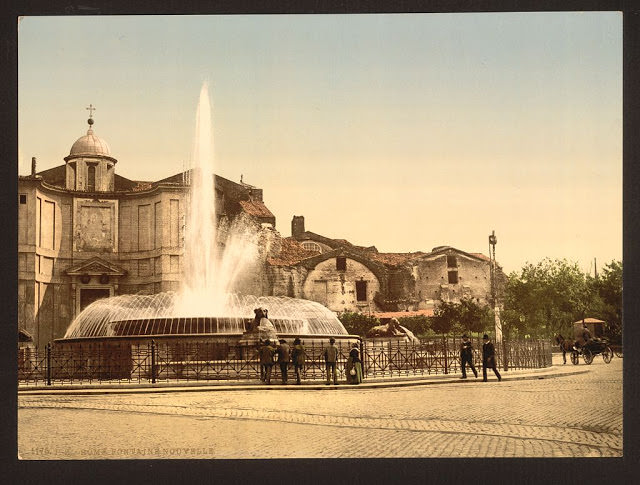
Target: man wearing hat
(266,360)
(488,358)
(466,357)
(330,360)
(284,357)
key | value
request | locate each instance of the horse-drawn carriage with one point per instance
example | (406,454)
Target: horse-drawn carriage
(592,348)
(584,344)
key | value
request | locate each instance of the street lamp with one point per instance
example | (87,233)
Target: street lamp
(493,240)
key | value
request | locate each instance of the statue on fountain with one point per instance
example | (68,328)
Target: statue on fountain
(392,329)
(262,325)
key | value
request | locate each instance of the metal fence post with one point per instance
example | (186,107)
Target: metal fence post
(505,363)
(48,352)
(446,356)
(153,361)
(362,358)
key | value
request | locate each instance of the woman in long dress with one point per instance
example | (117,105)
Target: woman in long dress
(354,366)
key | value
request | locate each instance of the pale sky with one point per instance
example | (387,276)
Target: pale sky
(404,131)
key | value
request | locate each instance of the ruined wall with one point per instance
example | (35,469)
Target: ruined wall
(286,280)
(337,289)
(432,279)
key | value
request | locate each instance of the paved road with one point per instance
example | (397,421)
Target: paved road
(570,416)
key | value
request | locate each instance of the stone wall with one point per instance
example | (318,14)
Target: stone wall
(432,282)
(337,289)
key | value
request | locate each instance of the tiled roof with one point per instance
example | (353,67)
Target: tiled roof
(255,208)
(291,252)
(140,186)
(393,259)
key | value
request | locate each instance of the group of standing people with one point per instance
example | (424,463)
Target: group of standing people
(285,355)
(488,358)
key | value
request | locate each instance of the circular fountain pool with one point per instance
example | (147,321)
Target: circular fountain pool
(163,315)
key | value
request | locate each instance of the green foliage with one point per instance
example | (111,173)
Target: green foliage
(464,317)
(444,317)
(474,317)
(357,323)
(544,299)
(418,324)
(607,291)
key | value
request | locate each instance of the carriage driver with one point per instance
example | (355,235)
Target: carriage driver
(586,335)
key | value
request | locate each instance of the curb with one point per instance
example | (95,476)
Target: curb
(172,387)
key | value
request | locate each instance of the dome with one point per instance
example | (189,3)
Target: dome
(90,145)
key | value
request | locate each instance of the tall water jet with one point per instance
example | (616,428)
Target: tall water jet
(201,238)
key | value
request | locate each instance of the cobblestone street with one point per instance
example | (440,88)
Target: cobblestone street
(577,415)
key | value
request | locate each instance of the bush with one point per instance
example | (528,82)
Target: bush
(418,324)
(357,323)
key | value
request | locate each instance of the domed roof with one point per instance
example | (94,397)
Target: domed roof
(91,145)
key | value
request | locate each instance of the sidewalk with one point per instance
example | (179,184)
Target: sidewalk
(556,370)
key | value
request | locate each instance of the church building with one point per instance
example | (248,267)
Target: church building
(86,232)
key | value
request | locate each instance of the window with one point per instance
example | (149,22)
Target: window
(453,277)
(23,198)
(341,263)
(91,178)
(311,246)
(361,290)
(452,261)
(89,295)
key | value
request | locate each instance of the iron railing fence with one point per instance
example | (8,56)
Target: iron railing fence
(151,361)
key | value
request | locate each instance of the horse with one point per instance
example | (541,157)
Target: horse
(565,346)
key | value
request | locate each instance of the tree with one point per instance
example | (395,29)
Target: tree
(445,316)
(544,299)
(357,323)
(418,324)
(608,289)
(474,317)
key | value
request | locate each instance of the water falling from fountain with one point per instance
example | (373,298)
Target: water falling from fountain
(211,272)
(201,238)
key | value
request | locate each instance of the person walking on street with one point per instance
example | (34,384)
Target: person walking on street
(266,360)
(466,357)
(488,358)
(298,356)
(330,360)
(354,366)
(284,358)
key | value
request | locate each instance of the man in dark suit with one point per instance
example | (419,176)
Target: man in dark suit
(266,352)
(488,358)
(466,357)
(284,358)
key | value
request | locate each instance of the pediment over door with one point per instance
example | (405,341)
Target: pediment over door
(96,266)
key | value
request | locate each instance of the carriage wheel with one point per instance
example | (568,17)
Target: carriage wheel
(607,354)
(575,357)
(587,355)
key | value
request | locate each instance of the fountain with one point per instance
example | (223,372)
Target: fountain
(211,305)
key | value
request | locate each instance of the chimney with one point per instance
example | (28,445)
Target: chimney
(33,166)
(297,226)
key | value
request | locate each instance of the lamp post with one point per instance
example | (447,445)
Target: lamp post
(493,240)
